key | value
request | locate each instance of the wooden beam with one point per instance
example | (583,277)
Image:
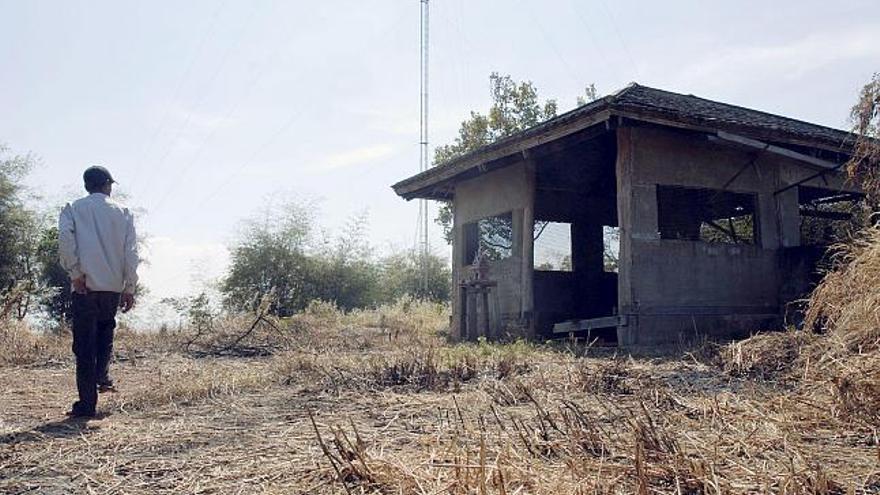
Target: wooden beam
(845,196)
(818,175)
(778,150)
(829,215)
(589,324)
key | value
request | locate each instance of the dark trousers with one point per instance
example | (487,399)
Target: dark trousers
(93,323)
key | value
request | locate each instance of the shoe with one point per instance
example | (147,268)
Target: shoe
(78,411)
(106,387)
(73,413)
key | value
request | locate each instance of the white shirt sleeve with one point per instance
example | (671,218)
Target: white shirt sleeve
(67,249)
(131,261)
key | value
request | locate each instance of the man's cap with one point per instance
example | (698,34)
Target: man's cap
(97,176)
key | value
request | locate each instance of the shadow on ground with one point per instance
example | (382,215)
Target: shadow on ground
(66,428)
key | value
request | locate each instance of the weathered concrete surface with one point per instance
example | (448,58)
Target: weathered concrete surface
(670,290)
(676,290)
(505,190)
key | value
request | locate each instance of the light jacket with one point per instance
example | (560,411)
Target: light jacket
(96,238)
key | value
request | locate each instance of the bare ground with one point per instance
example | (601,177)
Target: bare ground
(411,414)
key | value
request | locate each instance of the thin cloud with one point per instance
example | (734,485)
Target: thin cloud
(357,156)
(193,120)
(786,61)
(446,118)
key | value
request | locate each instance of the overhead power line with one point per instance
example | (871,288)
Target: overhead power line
(285,125)
(203,93)
(178,88)
(255,78)
(620,38)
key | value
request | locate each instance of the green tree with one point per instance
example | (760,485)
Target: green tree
(198,310)
(56,297)
(270,257)
(280,257)
(611,249)
(19,226)
(516,106)
(344,270)
(590,94)
(402,276)
(864,167)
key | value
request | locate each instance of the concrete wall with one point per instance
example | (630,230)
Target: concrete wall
(675,290)
(670,290)
(510,189)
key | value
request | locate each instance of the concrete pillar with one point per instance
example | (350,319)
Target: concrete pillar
(470,331)
(787,211)
(625,217)
(527,237)
(486,319)
(457,292)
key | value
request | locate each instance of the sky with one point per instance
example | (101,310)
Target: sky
(208,111)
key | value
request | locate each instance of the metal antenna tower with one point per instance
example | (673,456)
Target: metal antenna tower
(424,159)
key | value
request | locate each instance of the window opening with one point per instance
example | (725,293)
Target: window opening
(491,236)
(706,215)
(553,246)
(611,248)
(829,216)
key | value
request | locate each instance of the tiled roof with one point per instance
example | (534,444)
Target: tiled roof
(666,107)
(693,109)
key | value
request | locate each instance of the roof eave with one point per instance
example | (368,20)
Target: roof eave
(842,146)
(416,185)
(435,182)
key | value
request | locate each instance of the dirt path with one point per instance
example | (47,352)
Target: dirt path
(550,426)
(256,442)
(259,441)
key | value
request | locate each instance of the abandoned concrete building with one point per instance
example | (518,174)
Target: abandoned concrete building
(642,218)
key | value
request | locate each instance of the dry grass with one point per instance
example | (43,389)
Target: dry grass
(23,347)
(766,356)
(364,403)
(847,303)
(839,366)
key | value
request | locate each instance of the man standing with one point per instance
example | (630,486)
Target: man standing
(98,249)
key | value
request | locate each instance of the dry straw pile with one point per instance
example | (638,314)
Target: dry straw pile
(839,363)
(846,306)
